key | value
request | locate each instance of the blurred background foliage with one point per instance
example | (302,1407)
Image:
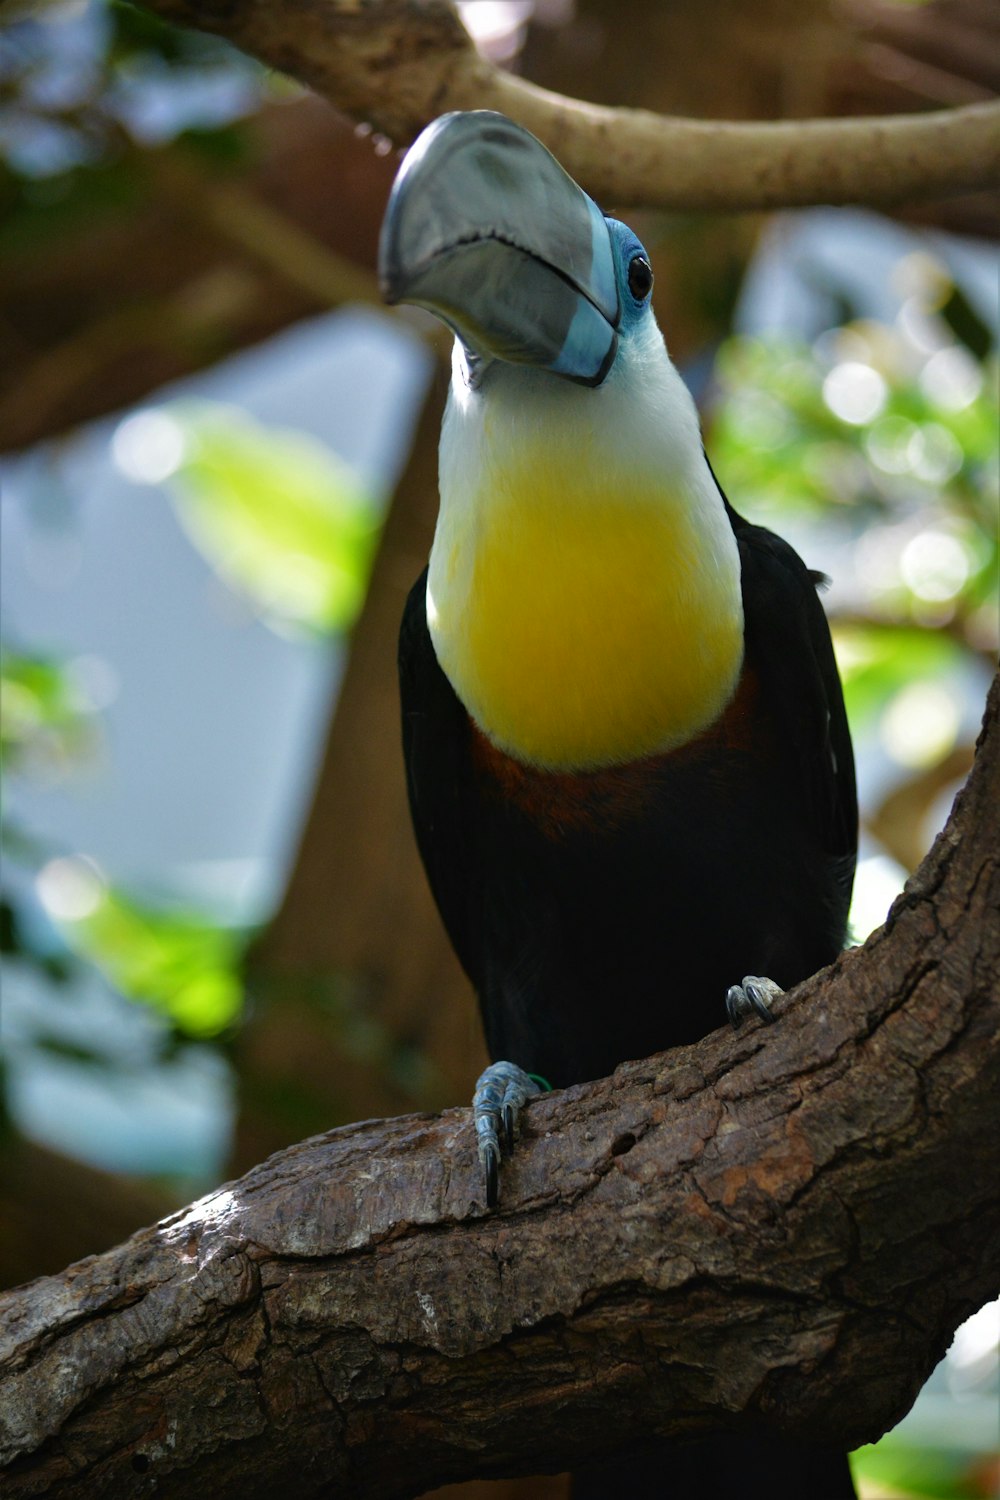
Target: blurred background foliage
(167,205)
(276,513)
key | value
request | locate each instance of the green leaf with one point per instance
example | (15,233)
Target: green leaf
(40,711)
(277,514)
(177,962)
(876,661)
(923,1473)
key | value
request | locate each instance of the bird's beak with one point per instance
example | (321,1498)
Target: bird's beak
(486,230)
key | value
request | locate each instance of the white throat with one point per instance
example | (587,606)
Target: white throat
(584,588)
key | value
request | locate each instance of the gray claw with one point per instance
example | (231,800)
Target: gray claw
(500,1094)
(490,1158)
(508,1129)
(754,997)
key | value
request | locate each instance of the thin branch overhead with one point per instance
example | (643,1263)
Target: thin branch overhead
(394,65)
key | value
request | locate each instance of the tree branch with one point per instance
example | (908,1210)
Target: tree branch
(783,1226)
(394,65)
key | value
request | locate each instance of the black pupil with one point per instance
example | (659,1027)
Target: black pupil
(640,277)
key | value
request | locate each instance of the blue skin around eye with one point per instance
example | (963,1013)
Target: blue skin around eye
(625,247)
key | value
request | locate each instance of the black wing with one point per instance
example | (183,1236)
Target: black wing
(436,750)
(788,639)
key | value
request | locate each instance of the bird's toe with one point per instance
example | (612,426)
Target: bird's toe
(753,997)
(500,1095)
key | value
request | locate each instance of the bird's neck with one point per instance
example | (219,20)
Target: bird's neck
(584,588)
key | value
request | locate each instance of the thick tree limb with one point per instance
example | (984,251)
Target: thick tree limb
(394,65)
(784,1226)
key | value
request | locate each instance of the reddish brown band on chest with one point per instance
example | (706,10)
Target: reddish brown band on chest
(564,802)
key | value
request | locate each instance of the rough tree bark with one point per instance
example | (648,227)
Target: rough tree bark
(783,1226)
(396,64)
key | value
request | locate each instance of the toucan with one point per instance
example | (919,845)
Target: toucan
(627,756)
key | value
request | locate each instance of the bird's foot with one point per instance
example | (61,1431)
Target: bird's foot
(501,1093)
(754,997)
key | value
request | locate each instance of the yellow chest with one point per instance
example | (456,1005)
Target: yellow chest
(582,629)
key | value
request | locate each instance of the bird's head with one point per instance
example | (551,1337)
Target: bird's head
(486,229)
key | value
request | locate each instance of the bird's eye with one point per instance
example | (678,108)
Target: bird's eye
(640,277)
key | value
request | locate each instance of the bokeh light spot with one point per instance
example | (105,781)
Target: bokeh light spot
(934,454)
(920,725)
(854,392)
(888,444)
(951,378)
(70,888)
(934,565)
(148,447)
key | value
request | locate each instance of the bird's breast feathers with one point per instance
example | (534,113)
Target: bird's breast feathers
(584,589)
